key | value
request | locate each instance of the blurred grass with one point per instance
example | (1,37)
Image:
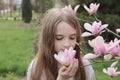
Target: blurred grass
(16,51)
(16,47)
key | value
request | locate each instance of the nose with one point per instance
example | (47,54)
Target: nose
(66,44)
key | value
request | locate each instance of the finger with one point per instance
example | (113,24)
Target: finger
(62,69)
(62,73)
(74,67)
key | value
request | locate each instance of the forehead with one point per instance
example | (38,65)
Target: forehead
(64,27)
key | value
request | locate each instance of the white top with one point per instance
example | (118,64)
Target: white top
(89,71)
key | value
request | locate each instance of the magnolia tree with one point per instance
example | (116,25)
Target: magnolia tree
(110,51)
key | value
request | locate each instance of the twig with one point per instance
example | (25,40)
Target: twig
(84,20)
(95,61)
(112,32)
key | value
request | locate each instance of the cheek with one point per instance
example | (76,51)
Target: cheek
(57,46)
(73,44)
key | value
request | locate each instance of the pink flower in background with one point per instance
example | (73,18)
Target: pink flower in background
(111,71)
(69,7)
(65,57)
(100,47)
(93,8)
(94,29)
(116,50)
(118,30)
(110,51)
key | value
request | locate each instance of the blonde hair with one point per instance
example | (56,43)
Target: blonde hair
(44,59)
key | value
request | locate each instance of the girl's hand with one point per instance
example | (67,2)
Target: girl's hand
(67,72)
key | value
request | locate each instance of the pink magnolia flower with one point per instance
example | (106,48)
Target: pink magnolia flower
(94,29)
(65,57)
(69,7)
(118,30)
(100,47)
(116,50)
(111,71)
(93,8)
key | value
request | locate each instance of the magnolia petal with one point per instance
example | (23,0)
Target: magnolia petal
(70,8)
(115,39)
(112,46)
(94,43)
(88,27)
(71,52)
(97,6)
(76,8)
(118,30)
(104,70)
(58,59)
(104,26)
(114,63)
(90,56)
(92,8)
(118,73)
(96,25)
(87,9)
(107,57)
(85,34)
(92,5)
(56,56)
(100,43)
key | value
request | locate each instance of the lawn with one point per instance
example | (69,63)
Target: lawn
(16,47)
(16,51)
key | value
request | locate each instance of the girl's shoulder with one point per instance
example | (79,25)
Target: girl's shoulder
(89,69)
(87,64)
(29,70)
(31,67)
(85,61)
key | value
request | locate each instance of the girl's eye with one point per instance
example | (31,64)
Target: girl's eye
(73,38)
(59,38)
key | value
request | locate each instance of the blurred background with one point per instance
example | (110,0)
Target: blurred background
(19,23)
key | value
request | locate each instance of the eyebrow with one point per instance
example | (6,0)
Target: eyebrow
(73,34)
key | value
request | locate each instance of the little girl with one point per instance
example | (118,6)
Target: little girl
(60,30)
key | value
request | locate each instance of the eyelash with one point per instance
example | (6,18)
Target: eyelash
(62,38)
(72,38)
(58,38)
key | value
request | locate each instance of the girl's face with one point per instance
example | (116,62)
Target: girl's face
(65,37)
